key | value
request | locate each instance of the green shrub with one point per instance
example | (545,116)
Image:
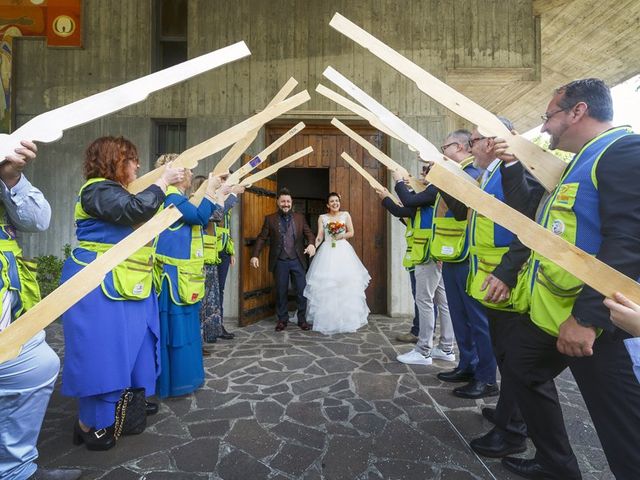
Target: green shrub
(50,269)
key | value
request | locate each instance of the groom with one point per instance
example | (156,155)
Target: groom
(287,231)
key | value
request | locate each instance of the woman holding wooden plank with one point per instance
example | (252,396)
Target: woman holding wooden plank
(179,278)
(111,335)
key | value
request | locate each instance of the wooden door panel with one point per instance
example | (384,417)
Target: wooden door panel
(257,292)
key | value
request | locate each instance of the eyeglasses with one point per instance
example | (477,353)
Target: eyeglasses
(444,147)
(472,141)
(546,116)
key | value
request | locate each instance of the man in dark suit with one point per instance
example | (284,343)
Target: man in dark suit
(287,232)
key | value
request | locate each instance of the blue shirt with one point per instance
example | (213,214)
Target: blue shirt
(633,347)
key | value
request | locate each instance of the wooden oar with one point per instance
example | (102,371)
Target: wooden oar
(239,147)
(49,126)
(73,290)
(376,153)
(578,263)
(235,177)
(543,165)
(189,158)
(256,177)
(367,176)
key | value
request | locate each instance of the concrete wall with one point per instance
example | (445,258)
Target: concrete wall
(286,38)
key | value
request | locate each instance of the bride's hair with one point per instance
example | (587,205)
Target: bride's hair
(333,194)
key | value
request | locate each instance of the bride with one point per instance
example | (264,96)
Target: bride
(337,279)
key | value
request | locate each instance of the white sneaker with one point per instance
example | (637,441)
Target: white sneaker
(414,358)
(440,354)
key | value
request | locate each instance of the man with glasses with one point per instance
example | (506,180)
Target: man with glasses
(596,206)
(496,256)
(450,245)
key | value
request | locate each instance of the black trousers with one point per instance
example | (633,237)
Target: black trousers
(608,386)
(285,269)
(508,419)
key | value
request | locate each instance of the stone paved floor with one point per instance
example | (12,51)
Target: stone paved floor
(301,405)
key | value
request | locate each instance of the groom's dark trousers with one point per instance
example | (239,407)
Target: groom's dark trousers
(285,269)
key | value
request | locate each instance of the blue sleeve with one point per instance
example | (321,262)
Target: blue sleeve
(425,198)
(230,202)
(397,210)
(26,206)
(633,347)
(190,213)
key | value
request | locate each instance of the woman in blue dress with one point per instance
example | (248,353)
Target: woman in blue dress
(111,335)
(179,276)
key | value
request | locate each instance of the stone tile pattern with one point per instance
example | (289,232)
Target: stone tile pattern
(300,405)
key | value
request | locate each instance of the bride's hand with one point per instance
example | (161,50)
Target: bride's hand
(310,250)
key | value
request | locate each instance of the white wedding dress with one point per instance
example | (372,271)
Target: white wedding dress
(336,282)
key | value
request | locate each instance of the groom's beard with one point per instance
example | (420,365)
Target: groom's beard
(283,212)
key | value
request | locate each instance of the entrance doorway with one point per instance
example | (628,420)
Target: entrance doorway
(310,179)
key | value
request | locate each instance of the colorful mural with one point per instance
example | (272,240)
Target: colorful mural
(57,20)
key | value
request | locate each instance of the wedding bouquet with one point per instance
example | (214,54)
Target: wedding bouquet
(335,228)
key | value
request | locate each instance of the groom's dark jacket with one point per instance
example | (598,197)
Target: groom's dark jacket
(271,232)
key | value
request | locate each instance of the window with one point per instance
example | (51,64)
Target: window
(170,137)
(171,33)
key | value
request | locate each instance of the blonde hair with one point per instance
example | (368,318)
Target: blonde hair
(165,158)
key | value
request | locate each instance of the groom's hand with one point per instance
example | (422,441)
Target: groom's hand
(254,262)
(310,250)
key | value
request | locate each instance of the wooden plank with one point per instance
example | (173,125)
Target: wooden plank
(387,161)
(413,139)
(239,147)
(262,156)
(578,263)
(545,166)
(367,176)
(234,178)
(189,158)
(49,126)
(355,108)
(73,290)
(250,180)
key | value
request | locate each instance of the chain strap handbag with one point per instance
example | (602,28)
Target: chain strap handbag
(131,415)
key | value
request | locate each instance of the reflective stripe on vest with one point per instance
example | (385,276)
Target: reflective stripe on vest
(180,259)
(449,242)
(16,273)
(407,260)
(421,235)
(572,212)
(133,278)
(211,256)
(223,235)
(488,242)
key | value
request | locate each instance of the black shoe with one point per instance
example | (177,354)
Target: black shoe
(280,326)
(477,389)
(102,439)
(211,340)
(455,376)
(490,414)
(150,408)
(227,335)
(527,468)
(494,445)
(304,326)
(56,474)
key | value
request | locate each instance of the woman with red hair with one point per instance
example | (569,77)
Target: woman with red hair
(111,335)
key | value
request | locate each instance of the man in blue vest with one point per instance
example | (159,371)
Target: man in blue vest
(495,259)
(27,381)
(596,206)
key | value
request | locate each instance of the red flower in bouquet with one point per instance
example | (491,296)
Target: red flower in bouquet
(335,228)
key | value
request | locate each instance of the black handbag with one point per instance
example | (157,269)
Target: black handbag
(131,414)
